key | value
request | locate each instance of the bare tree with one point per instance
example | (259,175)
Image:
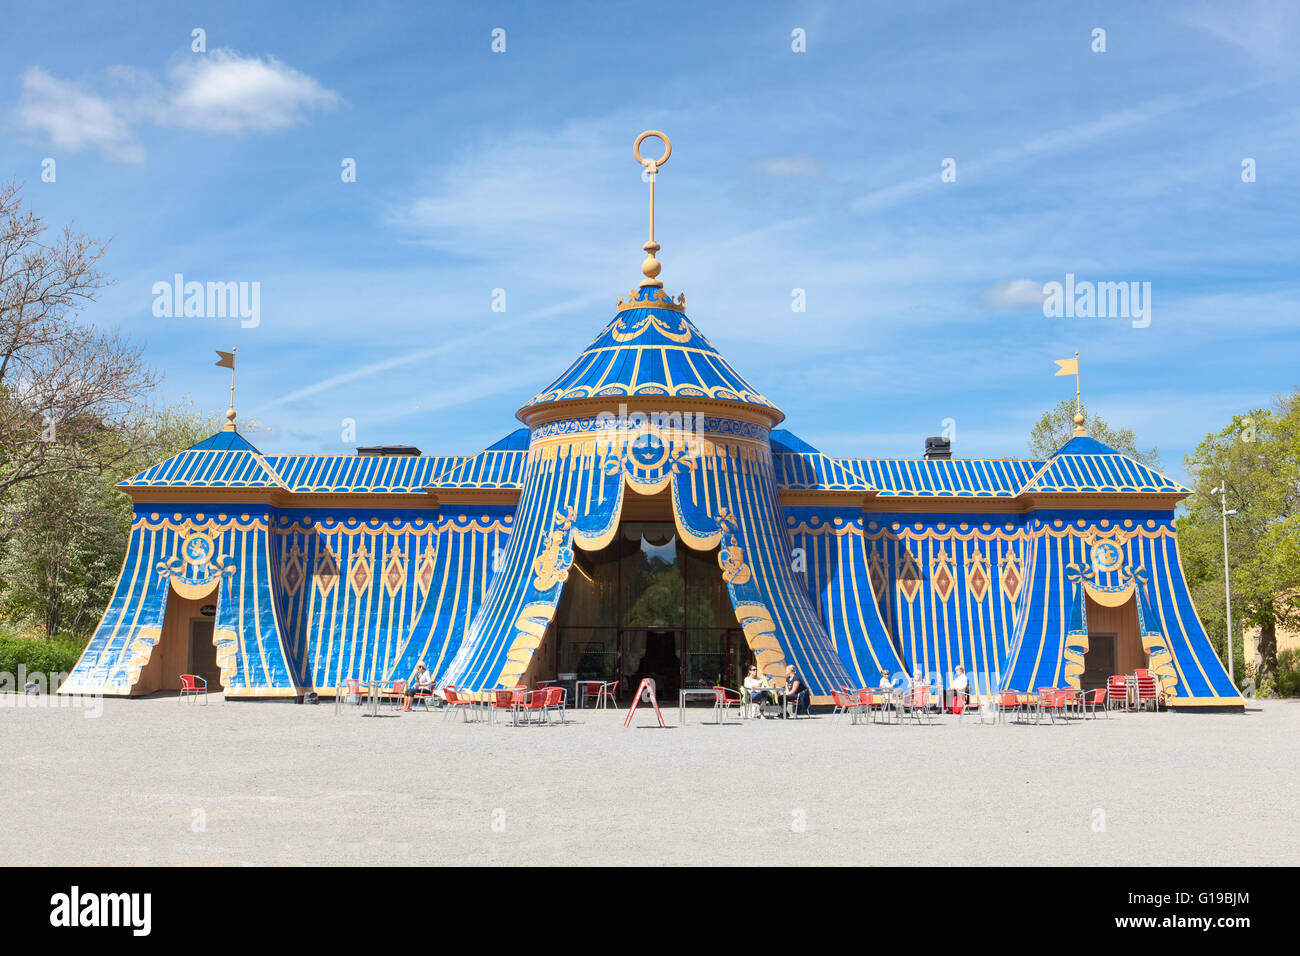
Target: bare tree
(68,391)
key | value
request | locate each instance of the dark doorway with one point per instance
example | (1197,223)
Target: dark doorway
(203,653)
(1099,663)
(648,606)
(655,654)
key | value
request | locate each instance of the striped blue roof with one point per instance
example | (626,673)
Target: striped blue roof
(194,468)
(335,474)
(651,350)
(1085,465)
(500,468)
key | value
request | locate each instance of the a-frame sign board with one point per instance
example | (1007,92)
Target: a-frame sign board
(645,689)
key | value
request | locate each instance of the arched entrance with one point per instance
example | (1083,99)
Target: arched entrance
(1114,642)
(185,646)
(645,606)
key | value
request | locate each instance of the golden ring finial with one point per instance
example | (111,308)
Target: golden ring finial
(650,267)
(652,164)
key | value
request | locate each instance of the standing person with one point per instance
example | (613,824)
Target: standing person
(420,685)
(757,690)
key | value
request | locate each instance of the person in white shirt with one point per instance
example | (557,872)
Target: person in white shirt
(756,690)
(957,686)
(420,685)
(886,682)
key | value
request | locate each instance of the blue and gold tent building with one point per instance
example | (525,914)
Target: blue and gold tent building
(650,518)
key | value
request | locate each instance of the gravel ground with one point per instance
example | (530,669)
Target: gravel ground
(153,782)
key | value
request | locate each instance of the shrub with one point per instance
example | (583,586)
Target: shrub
(1287,683)
(38,655)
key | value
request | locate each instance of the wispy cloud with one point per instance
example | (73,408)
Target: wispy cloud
(1015,294)
(220,92)
(73,118)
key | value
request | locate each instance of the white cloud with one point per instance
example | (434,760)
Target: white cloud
(219,92)
(1015,294)
(227,93)
(73,118)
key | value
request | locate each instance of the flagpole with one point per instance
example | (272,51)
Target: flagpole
(1078,399)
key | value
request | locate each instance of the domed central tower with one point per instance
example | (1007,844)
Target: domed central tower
(652,407)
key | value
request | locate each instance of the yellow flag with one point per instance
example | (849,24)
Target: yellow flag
(1067,366)
(227,359)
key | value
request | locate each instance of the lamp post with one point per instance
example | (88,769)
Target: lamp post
(1222,492)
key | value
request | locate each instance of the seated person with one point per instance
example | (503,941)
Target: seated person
(886,682)
(918,682)
(796,691)
(757,690)
(958,687)
(420,685)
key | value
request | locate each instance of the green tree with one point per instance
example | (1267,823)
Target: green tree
(1056,427)
(63,535)
(1256,459)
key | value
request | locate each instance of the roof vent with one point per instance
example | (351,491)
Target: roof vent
(381,451)
(938,449)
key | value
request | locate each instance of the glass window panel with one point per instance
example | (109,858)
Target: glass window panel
(590,595)
(707,602)
(706,660)
(653,586)
(591,653)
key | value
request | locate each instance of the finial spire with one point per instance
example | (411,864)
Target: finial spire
(227,360)
(650,267)
(1079,430)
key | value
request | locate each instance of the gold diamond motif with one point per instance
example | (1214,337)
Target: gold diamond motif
(977,576)
(424,576)
(941,575)
(1011,579)
(291,573)
(327,571)
(876,570)
(394,574)
(909,578)
(360,575)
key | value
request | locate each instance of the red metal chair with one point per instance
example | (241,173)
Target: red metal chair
(918,702)
(506,700)
(1146,688)
(845,702)
(722,701)
(602,691)
(958,704)
(1098,700)
(1009,702)
(1117,692)
(427,695)
(455,702)
(192,685)
(555,702)
(535,703)
(395,691)
(1051,702)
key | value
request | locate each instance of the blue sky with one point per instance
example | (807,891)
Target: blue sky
(817,170)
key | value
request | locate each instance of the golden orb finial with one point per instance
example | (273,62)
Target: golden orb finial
(1079,430)
(651,266)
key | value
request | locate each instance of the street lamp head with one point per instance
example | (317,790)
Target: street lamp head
(1216,490)
(1232,512)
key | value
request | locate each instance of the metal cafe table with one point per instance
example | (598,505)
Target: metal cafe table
(698,692)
